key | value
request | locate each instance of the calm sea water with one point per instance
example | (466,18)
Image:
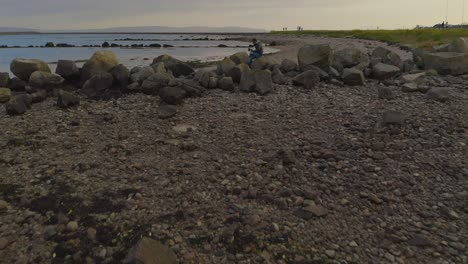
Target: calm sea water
(205,50)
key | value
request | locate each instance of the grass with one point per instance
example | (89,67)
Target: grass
(415,37)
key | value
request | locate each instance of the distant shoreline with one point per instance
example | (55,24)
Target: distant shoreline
(133,33)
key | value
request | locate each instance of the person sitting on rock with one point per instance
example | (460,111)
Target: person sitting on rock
(257,52)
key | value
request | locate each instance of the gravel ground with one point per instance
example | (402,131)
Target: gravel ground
(297,176)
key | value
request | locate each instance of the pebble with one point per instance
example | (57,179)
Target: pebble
(3,206)
(389,257)
(330,253)
(49,232)
(353,244)
(72,226)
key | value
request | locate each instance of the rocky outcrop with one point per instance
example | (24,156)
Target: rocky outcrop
(382,71)
(23,68)
(258,81)
(45,80)
(177,67)
(353,77)
(386,56)
(447,63)
(100,62)
(98,84)
(350,58)
(317,55)
(240,57)
(68,69)
(121,75)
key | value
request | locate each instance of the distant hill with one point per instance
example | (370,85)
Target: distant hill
(156,29)
(16,30)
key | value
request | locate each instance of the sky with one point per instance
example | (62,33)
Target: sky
(266,14)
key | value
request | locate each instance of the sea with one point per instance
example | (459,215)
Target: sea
(186,47)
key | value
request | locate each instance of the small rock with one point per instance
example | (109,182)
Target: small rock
(72,226)
(148,250)
(420,241)
(167,111)
(91,233)
(393,118)
(66,99)
(5,95)
(49,232)
(353,244)
(3,206)
(385,93)
(330,253)
(410,87)
(15,106)
(438,94)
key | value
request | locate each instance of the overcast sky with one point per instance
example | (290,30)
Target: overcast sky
(267,14)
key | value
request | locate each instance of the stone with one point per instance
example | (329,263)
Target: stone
(5,95)
(3,206)
(236,72)
(177,67)
(100,62)
(225,66)
(23,68)
(318,55)
(317,210)
(330,253)
(459,45)
(121,75)
(393,118)
(447,63)
(98,84)
(17,85)
(49,232)
(66,99)
(288,65)
(261,63)
(213,82)
(150,251)
(420,241)
(350,58)
(15,106)
(438,94)
(226,83)
(39,96)
(353,77)
(258,81)
(382,71)
(142,74)
(155,82)
(166,111)
(4,79)
(278,77)
(45,80)
(413,78)
(205,77)
(240,57)
(72,226)
(68,69)
(172,95)
(308,79)
(26,98)
(410,87)
(385,93)
(322,74)
(386,56)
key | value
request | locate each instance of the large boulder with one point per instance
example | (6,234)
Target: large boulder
(66,99)
(236,72)
(155,82)
(225,66)
(140,74)
(101,61)
(258,81)
(382,71)
(288,65)
(261,63)
(322,74)
(317,55)
(68,69)
(172,95)
(5,95)
(240,57)
(121,75)
(353,77)
(15,106)
(278,77)
(308,79)
(386,56)
(4,79)
(350,58)
(447,63)
(204,77)
(459,45)
(226,84)
(23,68)
(98,84)
(45,80)
(177,67)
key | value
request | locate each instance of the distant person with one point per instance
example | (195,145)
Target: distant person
(255,53)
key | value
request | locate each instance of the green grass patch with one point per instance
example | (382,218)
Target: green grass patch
(415,37)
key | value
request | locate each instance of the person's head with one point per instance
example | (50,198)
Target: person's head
(254,40)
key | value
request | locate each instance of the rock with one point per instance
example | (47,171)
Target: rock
(308,79)
(393,118)
(3,206)
(447,63)
(177,67)
(15,106)
(49,232)
(438,94)
(23,68)
(141,74)
(213,82)
(240,57)
(121,75)
(459,45)
(39,96)
(278,77)
(26,98)
(166,111)
(288,65)
(225,66)
(261,63)
(353,77)
(386,56)
(322,74)
(420,241)
(66,99)
(17,85)
(98,84)
(205,77)
(72,226)
(5,95)
(317,210)
(410,87)
(382,71)
(172,95)
(350,58)
(258,81)
(413,78)
(149,251)
(4,79)
(68,70)
(236,72)
(155,82)
(330,253)
(317,55)
(45,80)
(100,62)
(226,83)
